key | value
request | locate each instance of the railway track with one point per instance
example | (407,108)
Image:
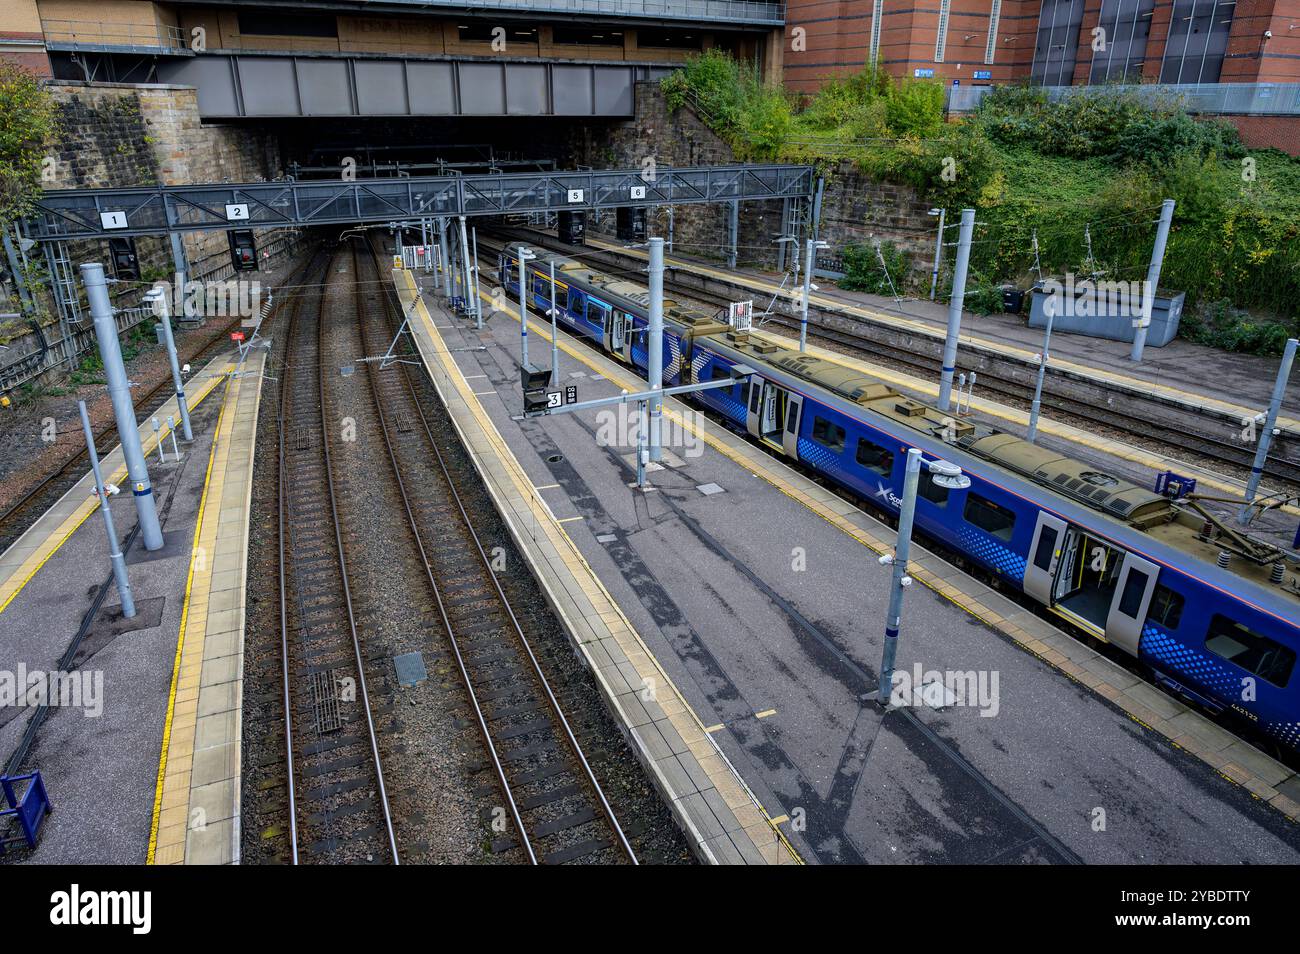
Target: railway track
(337,801)
(1188,433)
(53,484)
(556,809)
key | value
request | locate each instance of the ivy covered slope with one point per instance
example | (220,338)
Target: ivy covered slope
(1034,166)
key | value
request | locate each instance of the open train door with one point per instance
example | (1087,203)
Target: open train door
(1128,610)
(1044,555)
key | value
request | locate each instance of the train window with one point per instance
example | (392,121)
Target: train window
(1166,607)
(1046,549)
(927,488)
(992,518)
(875,458)
(1269,660)
(1130,600)
(830,436)
(561,296)
(719,372)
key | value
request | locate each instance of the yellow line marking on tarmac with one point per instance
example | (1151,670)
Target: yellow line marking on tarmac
(546,487)
(566,519)
(181,634)
(92,504)
(780,819)
(764,714)
(715,728)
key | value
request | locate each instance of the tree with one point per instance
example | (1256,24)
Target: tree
(27,121)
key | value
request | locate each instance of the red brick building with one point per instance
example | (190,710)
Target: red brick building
(1055,42)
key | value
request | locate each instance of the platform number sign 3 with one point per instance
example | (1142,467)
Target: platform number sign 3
(237,212)
(112,220)
(638,192)
(575,195)
(554,399)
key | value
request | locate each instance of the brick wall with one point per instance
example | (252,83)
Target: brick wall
(1280,132)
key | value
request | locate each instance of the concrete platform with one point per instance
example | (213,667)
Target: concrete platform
(101,764)
(764,604)
(720,815)
(196,801)
(1184,374)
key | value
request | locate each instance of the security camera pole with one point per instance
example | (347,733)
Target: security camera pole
(945,475)
(156,297)
(119,390)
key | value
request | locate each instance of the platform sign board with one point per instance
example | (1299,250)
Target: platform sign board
(237,337)
(237,212)
(571,394)
(554,399)
(397,261)
(638,192)
(575,195)
(112,220)
(740,315)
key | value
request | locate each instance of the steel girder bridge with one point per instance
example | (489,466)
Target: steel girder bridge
(162,210)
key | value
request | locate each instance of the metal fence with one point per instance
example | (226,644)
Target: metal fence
(1234,99)
(142,37)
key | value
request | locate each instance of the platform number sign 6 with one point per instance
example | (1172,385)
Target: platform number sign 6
(575,195)
(237,212)
(638,192)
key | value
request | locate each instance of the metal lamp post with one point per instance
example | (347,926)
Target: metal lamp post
(525,255)
(944,474)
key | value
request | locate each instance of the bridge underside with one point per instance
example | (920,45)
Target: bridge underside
(234,86)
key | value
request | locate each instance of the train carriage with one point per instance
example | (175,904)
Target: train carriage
(1214,615)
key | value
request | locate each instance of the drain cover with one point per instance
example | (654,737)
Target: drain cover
(555,458)
(325,701)
(410,669)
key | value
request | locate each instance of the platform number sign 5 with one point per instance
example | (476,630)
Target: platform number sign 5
(638,192)
(237,212)
(112,220)
(554,399)
(575,195)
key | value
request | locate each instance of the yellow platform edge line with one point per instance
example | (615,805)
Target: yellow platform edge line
(181,633)
(90,506)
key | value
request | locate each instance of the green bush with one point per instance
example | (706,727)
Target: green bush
(914,108)
(862,271)
(1220,325)
(27,121)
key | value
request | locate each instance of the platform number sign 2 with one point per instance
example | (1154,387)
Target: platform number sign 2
(112,220)
(237,212)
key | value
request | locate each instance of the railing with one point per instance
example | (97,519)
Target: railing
(149,37)
(739,11)
(1234,99)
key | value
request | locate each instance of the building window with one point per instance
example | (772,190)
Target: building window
(485,33)
(1198,41)
(287,24)
(941,37)
(1257,654)
(585,37)
(877,11)
(993,518)
(1125,25)
(656,39)
(991,47)
(830,436)
(1057,45)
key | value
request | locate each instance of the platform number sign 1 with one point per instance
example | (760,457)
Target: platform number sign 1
(237,212)
(575,195)
(554,399)
(112,220)
(638,192)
